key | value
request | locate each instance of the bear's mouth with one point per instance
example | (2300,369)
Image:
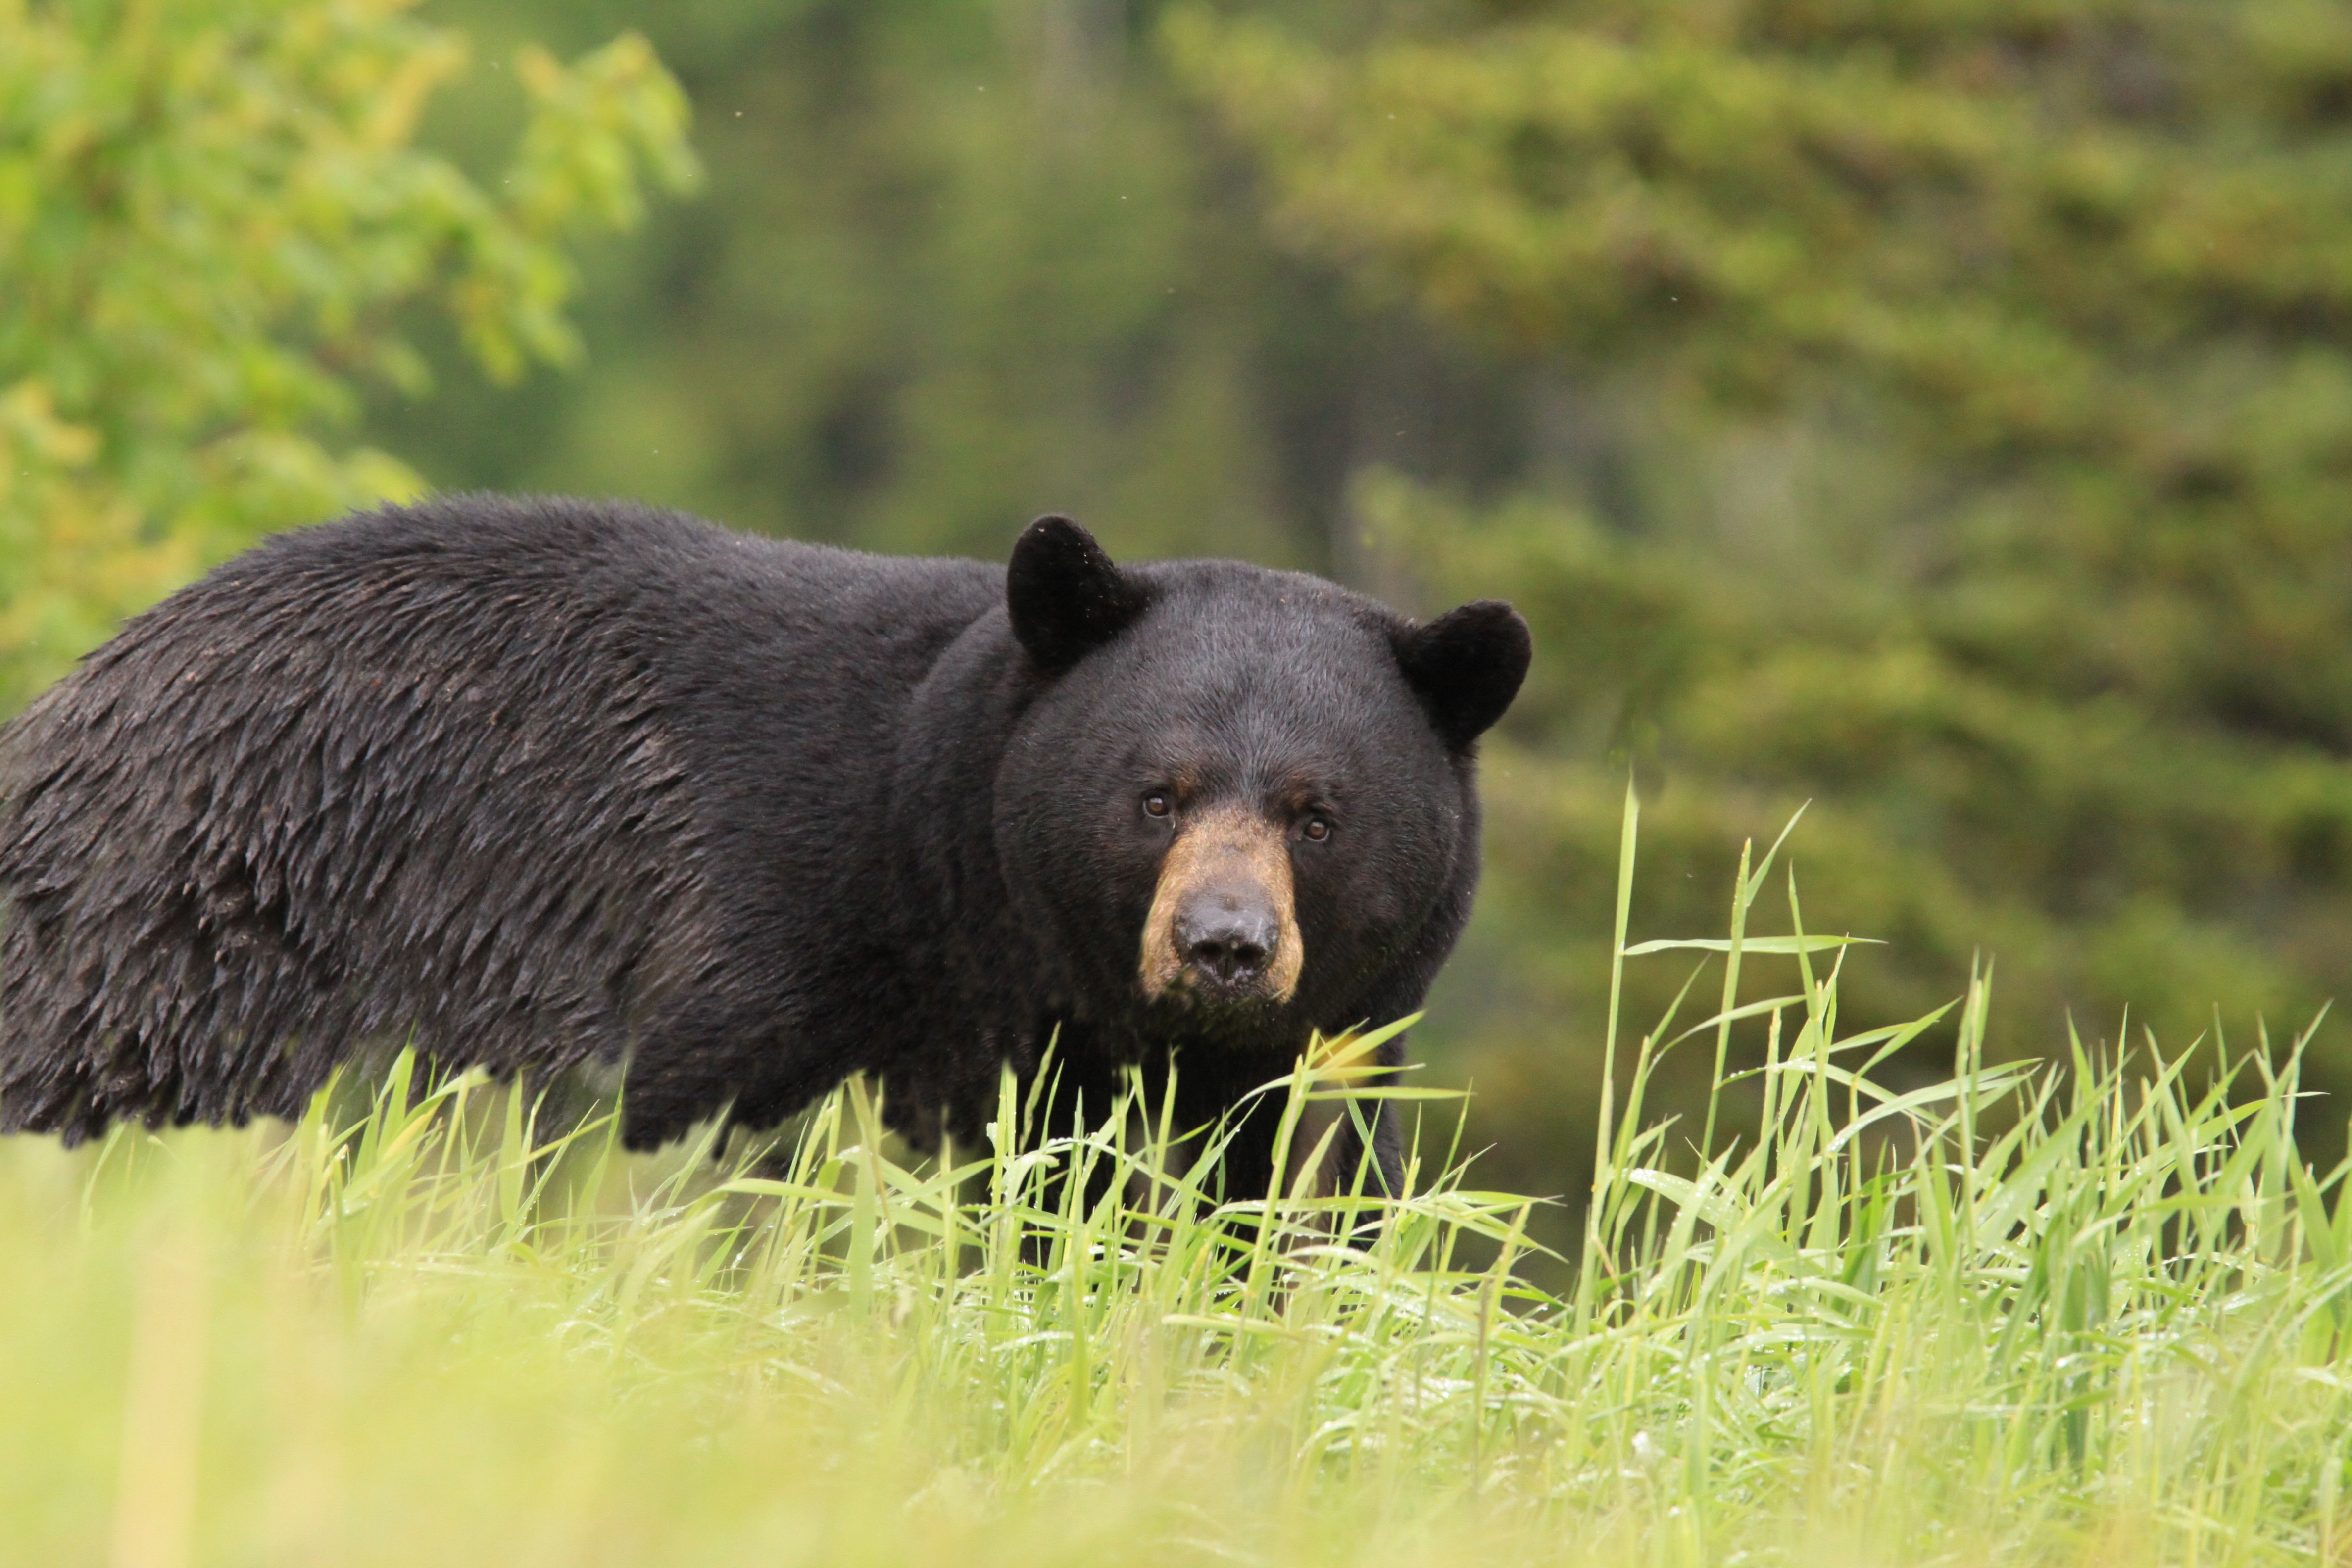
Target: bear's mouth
(1223,932)
(1198,993)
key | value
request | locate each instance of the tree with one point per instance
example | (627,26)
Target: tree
(212,217)
(962,261)
(1983,375)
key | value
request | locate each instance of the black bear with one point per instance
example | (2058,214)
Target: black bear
(540,782)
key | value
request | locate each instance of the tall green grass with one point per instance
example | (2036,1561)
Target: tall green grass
(2087,1311)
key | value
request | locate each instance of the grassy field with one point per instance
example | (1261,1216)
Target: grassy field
(2088,1313)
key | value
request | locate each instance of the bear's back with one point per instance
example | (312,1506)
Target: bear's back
(471,768)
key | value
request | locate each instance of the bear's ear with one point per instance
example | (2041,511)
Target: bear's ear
(1465,667)
(1065,596)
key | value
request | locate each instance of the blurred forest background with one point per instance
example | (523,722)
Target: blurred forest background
(1941,412)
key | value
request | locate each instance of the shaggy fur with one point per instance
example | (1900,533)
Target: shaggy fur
(538,782)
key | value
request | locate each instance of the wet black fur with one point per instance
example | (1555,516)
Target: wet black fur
(541,782)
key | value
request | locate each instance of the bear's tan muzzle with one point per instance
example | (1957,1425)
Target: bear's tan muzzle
(1224,926)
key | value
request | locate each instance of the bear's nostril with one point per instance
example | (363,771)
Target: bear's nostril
(1228,958)
(1232,947)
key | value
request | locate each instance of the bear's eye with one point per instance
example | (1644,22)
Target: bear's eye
(1317,830)
(1156,804)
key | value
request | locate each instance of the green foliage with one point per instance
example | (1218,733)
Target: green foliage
(961,262)
(211,214)
(1980,381)
(2089,1315)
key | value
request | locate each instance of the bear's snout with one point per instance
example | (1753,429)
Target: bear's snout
(1227,936)
(1222,926)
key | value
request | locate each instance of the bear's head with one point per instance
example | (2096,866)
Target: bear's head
(1242,799)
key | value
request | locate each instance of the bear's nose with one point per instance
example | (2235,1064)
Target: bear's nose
(1228,943)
